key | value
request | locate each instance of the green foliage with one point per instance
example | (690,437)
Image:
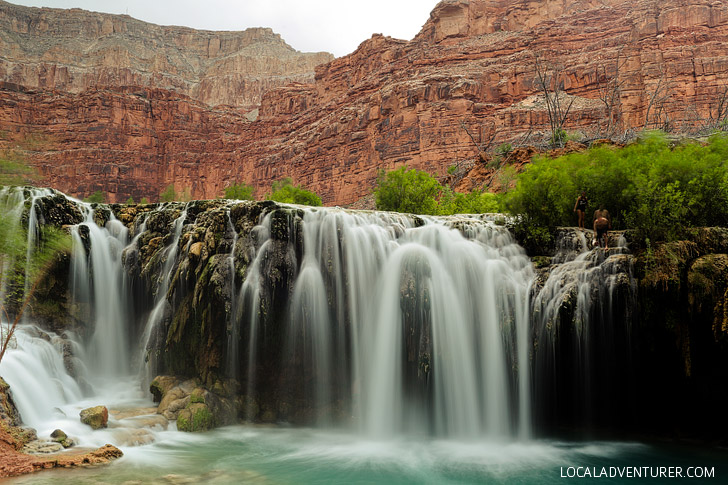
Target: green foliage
(24,272)
(649,186)
(97,197)
(168,194)
(241,191)
(558,138)
(130,201)
(417,192)
(452,169)
(284,191)
(14,170)
(144,200)
(504,149)
(411,191)
(476,202)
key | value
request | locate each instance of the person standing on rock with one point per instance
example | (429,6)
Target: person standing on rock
(580,208)
(602,225)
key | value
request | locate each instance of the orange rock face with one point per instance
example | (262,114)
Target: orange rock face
(393,102)
(74,50)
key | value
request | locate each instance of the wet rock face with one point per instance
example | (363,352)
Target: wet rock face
(8,412)
(195,408)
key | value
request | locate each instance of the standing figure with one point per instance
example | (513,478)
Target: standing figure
(580,208)
(602,225)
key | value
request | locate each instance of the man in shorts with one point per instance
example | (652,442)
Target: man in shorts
(602,225)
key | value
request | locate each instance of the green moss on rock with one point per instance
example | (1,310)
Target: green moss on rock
(195,417)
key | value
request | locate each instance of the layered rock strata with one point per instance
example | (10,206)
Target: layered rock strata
(428,103)
(75,50)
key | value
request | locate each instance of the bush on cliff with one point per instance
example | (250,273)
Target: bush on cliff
(417,192)
(97,197)
(284,191)
(655,187)
(241,191)
(411,191)
(14,170)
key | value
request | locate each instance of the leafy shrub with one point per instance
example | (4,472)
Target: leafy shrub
(168,194)
(284,191)
(241,191)
(97,197)
(411,191)
(504,149)
(417,192)
(476,202)
(648,186)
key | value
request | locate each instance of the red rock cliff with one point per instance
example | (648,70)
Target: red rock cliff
(393,102)
(73,50)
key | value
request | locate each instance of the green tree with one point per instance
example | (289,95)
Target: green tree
(657,189)
(97,197)
(404,190)
(168,194)
(144,201)
(284,191)
(240,191)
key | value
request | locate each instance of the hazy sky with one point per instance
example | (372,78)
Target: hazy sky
(336,26)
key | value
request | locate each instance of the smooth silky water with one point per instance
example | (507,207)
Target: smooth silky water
(465,278)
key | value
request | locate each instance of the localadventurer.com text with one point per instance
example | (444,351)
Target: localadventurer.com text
(637,472)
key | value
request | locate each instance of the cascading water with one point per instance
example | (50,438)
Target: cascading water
(106,293)
(150,361)
(581,324)
(420,329)
(395,326)
(53,376)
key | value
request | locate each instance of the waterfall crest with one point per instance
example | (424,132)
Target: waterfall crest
(388,323)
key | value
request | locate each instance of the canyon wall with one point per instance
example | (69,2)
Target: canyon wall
(471,69)
(75,50)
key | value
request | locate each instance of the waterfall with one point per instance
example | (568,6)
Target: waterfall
(387,323)
(419,323)
(36,372)
(150,336)
(108,348)
(581,323)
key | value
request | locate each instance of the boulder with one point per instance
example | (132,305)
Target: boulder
(161,385)
(97,417)
(61,437)
(196,417)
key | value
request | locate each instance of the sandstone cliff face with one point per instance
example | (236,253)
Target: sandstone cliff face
(392,102)
(73,50)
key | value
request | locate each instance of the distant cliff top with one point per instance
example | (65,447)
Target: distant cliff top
(72,50)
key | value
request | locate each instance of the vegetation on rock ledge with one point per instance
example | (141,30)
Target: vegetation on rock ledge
(417,192)
(658,188)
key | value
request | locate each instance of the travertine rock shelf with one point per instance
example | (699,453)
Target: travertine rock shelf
(390,102)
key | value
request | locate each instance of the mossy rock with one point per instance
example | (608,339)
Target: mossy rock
(195,417)
(541,261)
(59,436)
(161,385)
(97,417)
(198,396)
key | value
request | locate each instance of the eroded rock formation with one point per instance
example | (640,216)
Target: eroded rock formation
(75,50)
(392,102)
